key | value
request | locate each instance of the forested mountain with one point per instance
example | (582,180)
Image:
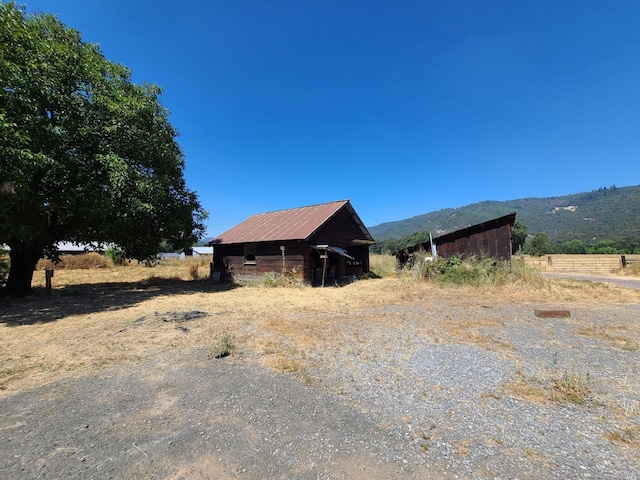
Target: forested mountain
(607,213)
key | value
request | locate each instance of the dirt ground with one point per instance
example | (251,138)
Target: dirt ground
(387,378)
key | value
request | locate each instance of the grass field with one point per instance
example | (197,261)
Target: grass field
(97,317)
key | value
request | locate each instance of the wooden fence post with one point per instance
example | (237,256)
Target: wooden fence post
(48,275)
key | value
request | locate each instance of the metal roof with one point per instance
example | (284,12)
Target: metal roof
(292,224)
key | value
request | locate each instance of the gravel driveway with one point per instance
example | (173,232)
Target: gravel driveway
(410,397)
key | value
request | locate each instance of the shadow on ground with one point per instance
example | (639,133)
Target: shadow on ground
(43,306)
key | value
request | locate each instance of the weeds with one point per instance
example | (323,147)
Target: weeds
(571,387)
(478,272)
(224,347)
(192,271)
(287,278)
(560,387)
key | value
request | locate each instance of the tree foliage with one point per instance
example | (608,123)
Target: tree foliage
(518,236)
(87,155)
(539,245)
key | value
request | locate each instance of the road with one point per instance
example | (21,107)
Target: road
(620,281)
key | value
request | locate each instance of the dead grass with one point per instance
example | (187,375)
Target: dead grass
(83,261)
(559,387)
(629,436)
(99,317)
(625,337)
(383,265)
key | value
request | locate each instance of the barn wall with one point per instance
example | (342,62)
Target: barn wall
(231,259)
(494,243)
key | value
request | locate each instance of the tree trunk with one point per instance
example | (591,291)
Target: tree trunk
(23,263)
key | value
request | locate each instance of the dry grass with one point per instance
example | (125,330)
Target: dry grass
(632,270)
(83,261)
(559,387)
(629,436)
(95,318)
(382,265)
(623,336)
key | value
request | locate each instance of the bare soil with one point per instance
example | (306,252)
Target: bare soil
(117,377)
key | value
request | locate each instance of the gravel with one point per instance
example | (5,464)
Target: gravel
(409,402)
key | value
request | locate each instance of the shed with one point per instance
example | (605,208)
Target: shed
(487,239)
(316,243)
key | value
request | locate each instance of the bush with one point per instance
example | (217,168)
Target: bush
(4,267)
(475,271)
(115,254)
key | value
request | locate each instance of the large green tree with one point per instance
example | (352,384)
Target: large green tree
(539,245)
(518,236)
(85,154)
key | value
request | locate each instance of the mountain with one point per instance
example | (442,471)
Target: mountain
(607,213)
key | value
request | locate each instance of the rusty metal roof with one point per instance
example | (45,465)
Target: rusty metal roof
(293,224)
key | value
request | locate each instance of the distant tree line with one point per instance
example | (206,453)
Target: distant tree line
(540,244)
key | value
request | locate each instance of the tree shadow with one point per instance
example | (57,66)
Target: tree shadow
(43,307)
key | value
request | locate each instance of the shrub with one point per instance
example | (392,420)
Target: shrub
(476,271)
(4,267)
(115,254)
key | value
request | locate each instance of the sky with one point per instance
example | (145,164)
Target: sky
(402,107)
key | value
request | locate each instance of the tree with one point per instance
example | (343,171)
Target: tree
(518,236)
(539,245)
(573,247)
(86,155)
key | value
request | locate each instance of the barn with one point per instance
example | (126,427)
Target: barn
(488,239)
(317,243)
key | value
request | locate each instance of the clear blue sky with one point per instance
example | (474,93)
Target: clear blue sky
(404,107)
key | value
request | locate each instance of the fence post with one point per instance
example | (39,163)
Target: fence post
(48,275)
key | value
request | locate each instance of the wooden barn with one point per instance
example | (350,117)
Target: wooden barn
(488,239)
(318,244)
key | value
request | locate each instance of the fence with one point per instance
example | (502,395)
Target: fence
(581,263)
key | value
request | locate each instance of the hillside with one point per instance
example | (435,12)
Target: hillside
(607,213)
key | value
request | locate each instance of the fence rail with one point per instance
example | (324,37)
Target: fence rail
(581,263)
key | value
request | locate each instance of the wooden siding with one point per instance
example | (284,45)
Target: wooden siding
(265,264)
(339,231)
(268,258)
(494,243)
